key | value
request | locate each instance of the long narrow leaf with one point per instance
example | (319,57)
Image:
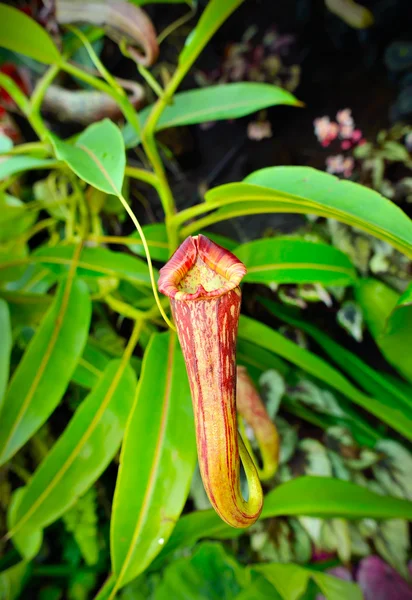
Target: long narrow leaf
(293,260)
(371,381)
(266,337)
(389,319)
(305,496)
(308,191)
(157,461)
(81,453)
(45,370)
(5,347)
(214,103)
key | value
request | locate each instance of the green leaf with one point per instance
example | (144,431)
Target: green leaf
(12,580)
(82,452)
(90,367)
(336,589)
(98,156)
(305,496)
(371,381)
(95,262)
(214,103)
(26,309)
(42,376)
(306,190)
(210,573)
(5,347)
(389,319)
(291,581)
(156,237)
(28,544)
(271,340)
(15,219)
(157,461)
(15,164)
(20,33)
(214,15)
(293,260)
(6,143)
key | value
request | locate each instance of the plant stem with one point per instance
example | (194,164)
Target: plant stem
(96,60)
(150,80)
(36,100)
(142,174)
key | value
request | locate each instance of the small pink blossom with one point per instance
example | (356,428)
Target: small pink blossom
(344,117)
(325,130)
(356,135)
(345,145)
(339,165)
(346,132)
(259,130)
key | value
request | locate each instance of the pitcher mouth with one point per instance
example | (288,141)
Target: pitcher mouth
(200,269)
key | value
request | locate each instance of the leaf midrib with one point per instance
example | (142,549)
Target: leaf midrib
(67,464)
(152,477)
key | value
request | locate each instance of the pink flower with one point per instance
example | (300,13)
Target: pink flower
(258,130)
(325,130)
(344,117)
(346,132)
(345,145)
(339,165)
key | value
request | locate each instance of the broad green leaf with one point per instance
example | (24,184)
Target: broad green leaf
(214,103)
(156,237)
(95,262)
(90,367)
(29,543)
(14,217)
(306,190)
(336,589)
(26,309)
(369,379)
(291,581)
(12,580)
(157,461)
(294,260)
(214,15)
(20,33)
(305,496)
(42,376)
(5,347)
(258,360)
(82,452)
(15,164)
(389,319)
(6,143)
(271,340)
(98,156)
(210,573)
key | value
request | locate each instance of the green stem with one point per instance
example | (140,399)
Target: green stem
(150,80)
(96,60)
(42,148)
(36,100)
(142,175)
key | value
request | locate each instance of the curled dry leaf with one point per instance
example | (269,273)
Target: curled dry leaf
(85,106)
(122,21)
